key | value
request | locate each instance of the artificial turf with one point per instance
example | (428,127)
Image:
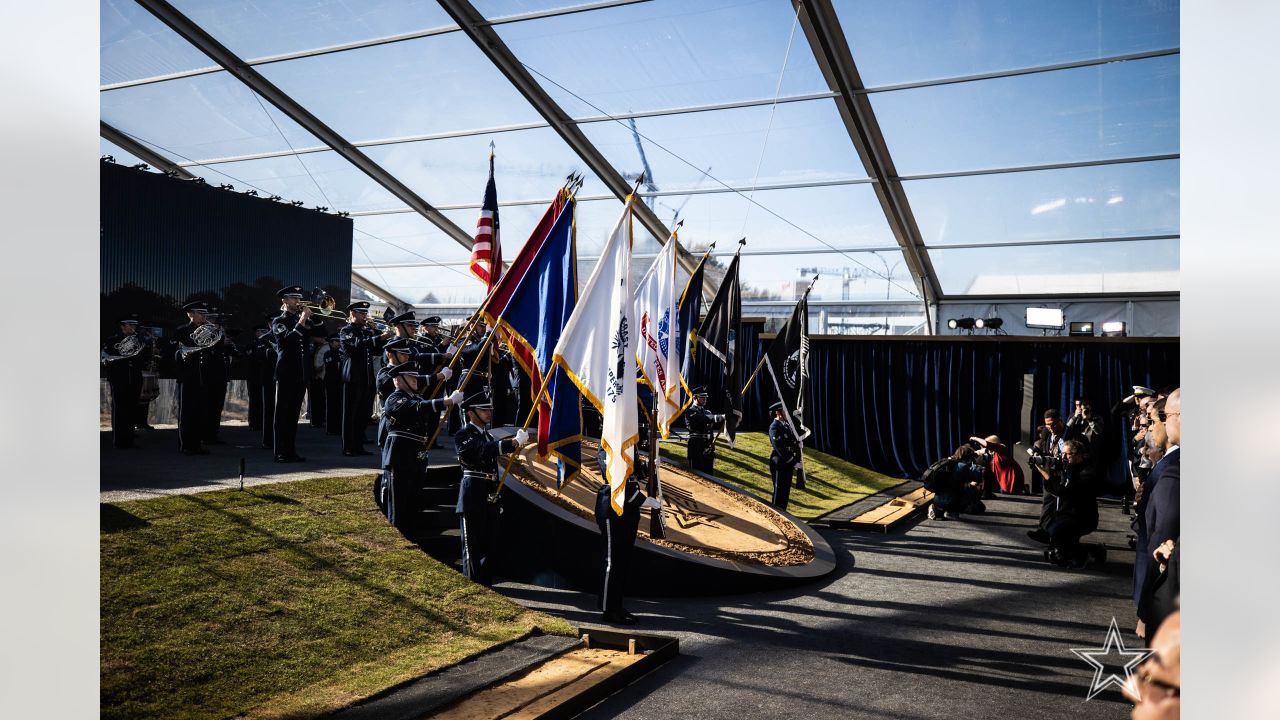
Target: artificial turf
(286,600)
(831,483)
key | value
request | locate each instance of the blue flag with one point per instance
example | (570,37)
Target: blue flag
(534,317)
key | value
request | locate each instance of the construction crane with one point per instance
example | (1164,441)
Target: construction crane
(846,274)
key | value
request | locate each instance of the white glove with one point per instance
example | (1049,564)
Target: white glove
(455,398)
(652,503)
(522,437)
(451,349)
(446,373)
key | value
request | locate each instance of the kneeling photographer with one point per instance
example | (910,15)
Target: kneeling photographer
(956,482)
(1072,482)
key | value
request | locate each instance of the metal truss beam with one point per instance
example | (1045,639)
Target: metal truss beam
(370,42)
(1045,166)
(359,280)
(1023,71)
(491,44)
(206,43)
(377,142)
(146,154)
(831,50)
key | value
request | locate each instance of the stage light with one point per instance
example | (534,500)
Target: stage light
(989,324)
(1115,328)
(275,198)
(198,180)
(109,158)
(1043,318)
(142,166)
(951,324)
(296,203)
(253,193)
(321,208)
(226,186)
(1081,329)
(963,323)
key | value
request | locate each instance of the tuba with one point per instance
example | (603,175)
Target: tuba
(204,337)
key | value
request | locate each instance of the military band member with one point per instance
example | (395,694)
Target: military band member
(398,351)
(505,378)
(123,357)
(478,454)
(360,346)
(264,358)
(253,377)
(404,455)
(785,455)
(702,424)
(219,372)
(331,355)
(429,333)
(192,370)
(291,333)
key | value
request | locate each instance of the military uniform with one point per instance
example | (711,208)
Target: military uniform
(219,373)
(618,534)
(404,454)
(291,338)
(124,375)
(360,347)
(264,358)
(506,389)
(253,380)
(194,368)
(478,454)
(783,459)
(332,388)
(702,424)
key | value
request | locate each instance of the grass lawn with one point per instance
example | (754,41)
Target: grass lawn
(830,482)
(286,600)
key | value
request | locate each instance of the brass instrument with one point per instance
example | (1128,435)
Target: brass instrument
(323,305)
(205,336)
(128,346)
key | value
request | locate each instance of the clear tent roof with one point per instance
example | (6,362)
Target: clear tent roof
(1035,142)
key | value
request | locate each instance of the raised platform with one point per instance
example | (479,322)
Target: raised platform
(718,538)
(886,516)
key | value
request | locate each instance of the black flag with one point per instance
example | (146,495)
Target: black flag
(687,315)
(718,336)
(788,363)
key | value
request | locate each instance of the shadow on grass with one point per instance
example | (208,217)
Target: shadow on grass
(113,519)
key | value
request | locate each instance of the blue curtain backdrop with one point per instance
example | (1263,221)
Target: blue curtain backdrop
(897,404)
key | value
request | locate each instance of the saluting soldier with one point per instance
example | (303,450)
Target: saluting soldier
(478,454)
(332,359)
(193,367)
(123,358)
(702,424)
(291,333)
(785,455)
(404,455)
(360,346)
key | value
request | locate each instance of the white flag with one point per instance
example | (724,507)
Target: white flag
(658,355)
(597,350)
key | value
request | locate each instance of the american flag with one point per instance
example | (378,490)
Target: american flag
(486,252)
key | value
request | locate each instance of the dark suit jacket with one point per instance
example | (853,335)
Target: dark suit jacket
(1162,521)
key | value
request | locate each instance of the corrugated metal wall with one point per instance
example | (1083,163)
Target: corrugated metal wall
(165,241)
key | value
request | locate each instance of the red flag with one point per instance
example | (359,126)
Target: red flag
(486,251)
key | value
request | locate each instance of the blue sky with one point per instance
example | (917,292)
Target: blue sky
(666,54)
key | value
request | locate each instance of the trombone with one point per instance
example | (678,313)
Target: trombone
(323,305)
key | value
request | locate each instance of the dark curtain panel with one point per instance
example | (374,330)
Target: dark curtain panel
(897,404)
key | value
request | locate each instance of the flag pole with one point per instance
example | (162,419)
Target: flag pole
(760,364)
(469,325)
(511,457)
(800,484)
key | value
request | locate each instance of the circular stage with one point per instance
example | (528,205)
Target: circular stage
(717,538)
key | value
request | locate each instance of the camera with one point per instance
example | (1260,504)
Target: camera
(1049,463)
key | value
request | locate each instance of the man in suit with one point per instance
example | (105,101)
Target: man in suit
(1163,522)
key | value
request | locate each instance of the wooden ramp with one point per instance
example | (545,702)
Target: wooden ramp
(891,513)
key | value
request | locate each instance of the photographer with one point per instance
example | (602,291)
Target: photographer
(1072,481)
(956,484)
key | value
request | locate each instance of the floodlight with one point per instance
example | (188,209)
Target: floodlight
(951,324)
(1045,318)
(990,324)
(1115,328)
(1084,329)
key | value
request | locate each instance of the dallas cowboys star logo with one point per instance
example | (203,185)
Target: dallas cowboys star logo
(1100,660)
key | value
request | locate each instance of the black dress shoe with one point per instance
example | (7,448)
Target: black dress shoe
(1038,535)
(620,617)
(195,452)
